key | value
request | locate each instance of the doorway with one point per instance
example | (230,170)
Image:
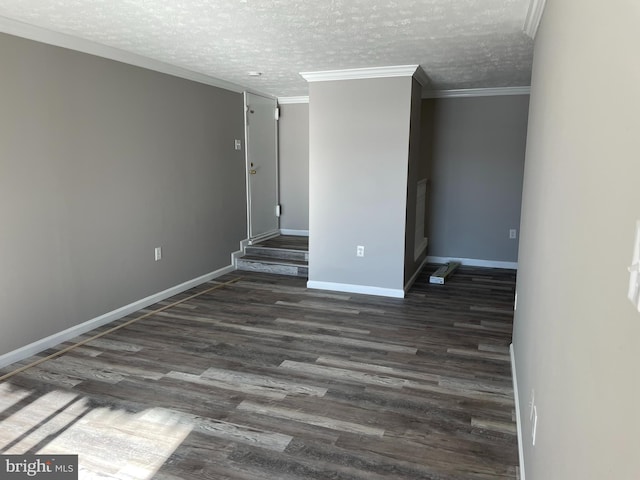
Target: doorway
(261,140)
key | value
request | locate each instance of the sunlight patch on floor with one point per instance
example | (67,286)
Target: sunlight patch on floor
(10,396)
(111,443)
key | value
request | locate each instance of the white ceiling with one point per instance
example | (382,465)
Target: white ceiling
(459,43)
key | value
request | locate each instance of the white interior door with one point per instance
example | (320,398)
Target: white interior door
(262,165)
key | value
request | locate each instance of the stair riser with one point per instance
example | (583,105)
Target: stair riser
(254,266)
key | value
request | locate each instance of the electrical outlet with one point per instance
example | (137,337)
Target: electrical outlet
(360,251)
(158,253)
(513,233)
(238,145)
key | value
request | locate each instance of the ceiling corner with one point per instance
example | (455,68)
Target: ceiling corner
(534,15)
(421,76)
(293,100)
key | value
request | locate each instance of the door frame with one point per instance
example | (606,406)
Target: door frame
(266,235)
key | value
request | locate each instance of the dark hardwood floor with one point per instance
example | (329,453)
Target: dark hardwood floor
(264,379)
(291,242)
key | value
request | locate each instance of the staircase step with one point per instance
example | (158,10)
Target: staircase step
(282,267)
(279,253)
(274,261)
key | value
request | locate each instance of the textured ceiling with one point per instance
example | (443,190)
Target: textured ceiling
(458,43)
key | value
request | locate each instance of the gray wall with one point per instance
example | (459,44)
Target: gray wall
(293,144)
(100,162)
(358,157)
(576,334)
(477,162)
(472,151)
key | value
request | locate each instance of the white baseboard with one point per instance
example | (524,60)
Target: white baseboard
(235,256)
(297,233)
(239,253)
(57,338)
(415,275)
(350,288)
(474,262)
(264,236)
(518,417)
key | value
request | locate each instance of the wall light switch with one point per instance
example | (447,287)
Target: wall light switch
(157,253)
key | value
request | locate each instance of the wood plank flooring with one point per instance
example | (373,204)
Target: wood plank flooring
(291,242)
(264,379)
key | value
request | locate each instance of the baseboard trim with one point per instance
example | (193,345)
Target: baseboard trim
(264,236)
(474,262)
(239,253)
(57,338)
(516,399)
(297,233)
(235,256)
(350,288)
(415,275)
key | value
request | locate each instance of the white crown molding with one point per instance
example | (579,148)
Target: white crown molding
(43,35)
(361,73)
(291,100)
(477,92)
(534,15)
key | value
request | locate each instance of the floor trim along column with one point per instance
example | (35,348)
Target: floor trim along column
(475,262)
(415,275)
(349,288)
(518,417)
(297,233)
